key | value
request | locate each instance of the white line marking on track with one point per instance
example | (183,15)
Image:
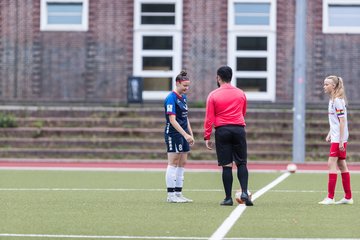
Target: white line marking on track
(236,213)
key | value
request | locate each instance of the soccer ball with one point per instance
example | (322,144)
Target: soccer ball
(291,167)
(238,196)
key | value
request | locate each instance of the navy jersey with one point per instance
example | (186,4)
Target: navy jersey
(176,105)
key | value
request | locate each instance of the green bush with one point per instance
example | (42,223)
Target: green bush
(7,121)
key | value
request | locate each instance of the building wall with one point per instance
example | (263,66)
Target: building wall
(45,66)
(285,35)
(204,44)
(93,66)
(17,43)
(330,54)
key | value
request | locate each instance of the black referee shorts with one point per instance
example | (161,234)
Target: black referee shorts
(230,141)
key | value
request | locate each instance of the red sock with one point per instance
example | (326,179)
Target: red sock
(332,185)
(346,184)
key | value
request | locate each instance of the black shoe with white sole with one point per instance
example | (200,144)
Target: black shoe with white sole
(245,197)
(227,202)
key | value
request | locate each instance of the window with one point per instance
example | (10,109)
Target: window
(341,16)
(154,13)
(252,14)
(251,51)
(64,15)
(157,45)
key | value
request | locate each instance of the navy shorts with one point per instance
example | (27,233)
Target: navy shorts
(176,143)
(230,141)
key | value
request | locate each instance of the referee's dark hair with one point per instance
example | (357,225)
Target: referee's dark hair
(225,73)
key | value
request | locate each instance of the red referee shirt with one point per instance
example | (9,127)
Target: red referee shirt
(225,105)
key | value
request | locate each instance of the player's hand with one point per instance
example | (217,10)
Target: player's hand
(190,139)
(328,138)
(208,144)
(341,146)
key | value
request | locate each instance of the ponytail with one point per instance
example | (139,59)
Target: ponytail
(339,90)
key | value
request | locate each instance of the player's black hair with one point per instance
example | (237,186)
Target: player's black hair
(225,73)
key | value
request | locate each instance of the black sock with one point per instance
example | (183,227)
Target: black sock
(243,176)
(227,179)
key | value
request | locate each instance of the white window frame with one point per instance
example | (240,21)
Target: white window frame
(175,31)
(45,26)
(269,32)
(332,29)
(231,16)
(151,27)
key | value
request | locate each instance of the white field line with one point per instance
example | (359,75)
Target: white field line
(105,189)
(225,227)
(9,235)
(94,236)
(120,169)
(144,190)
(96,169)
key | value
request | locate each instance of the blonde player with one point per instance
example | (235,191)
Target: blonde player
(338,136)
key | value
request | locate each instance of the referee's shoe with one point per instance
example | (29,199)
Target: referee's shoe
(227,202)
(245,197)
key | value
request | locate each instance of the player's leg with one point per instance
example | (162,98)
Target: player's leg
(227,179)
(345,177)
(180,177)
(225,160)
(240,158)
(170,176)
(332,179)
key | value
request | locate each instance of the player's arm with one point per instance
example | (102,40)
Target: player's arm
(340,113)
(209,122)
(328,137)
(189,128)
(342,127)
(176,125)
(209,118)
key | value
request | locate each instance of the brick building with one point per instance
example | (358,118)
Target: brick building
(64,51)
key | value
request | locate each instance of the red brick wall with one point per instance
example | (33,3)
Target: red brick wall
(326,54)
(204,44)
(65,66)
(109,52)
(17,43)
(315,51)
(93,66)
(285,35)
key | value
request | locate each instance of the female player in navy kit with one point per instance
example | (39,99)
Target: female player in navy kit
(338,136)
(178,138)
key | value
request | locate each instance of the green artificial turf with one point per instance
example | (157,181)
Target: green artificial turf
(133,204)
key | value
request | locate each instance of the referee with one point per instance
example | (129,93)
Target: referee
(225,110)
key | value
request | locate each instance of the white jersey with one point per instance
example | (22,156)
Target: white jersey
(337,110)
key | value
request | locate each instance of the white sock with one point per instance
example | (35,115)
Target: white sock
(179,177)
(170,176)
